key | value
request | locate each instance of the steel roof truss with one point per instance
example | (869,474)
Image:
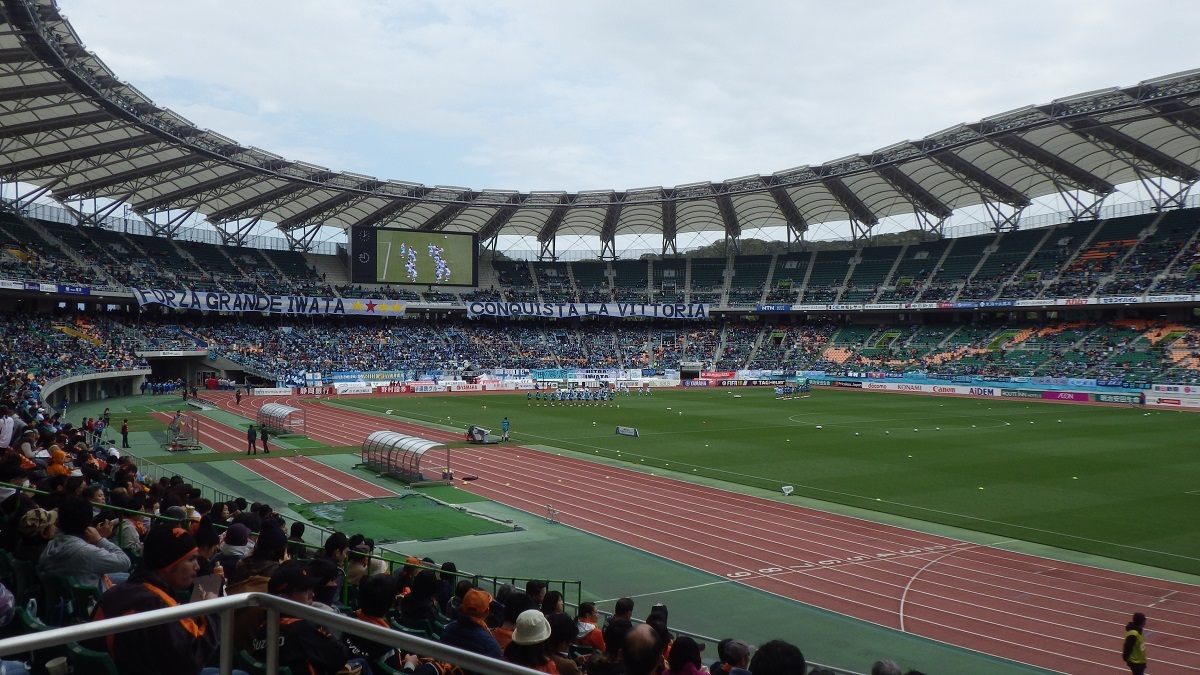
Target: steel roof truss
(50,125)
(34,91)
(147,172)
(169,199)
(320,211)
(988,186)
(386,212)
(1162,163)
(443,217)
(491,229)
(1083,192)
(79,154)
(914,192)
(259,205)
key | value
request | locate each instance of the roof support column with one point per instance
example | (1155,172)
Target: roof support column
(302,243)
(670,227)
(1004,217)
(170,228)
(1166,193)
(240,233)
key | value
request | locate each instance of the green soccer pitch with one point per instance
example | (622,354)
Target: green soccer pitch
(1117,481)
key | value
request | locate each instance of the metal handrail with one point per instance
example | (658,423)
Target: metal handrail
(274,606)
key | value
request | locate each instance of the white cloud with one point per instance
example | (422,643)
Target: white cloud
(550,95)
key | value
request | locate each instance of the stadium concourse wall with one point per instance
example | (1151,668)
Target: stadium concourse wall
(1070,390)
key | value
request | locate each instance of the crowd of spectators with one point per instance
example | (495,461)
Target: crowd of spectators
(84,517)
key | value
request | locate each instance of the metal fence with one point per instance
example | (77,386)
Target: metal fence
(225,607)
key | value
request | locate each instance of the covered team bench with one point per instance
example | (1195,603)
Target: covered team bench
(279,419)
(392,453)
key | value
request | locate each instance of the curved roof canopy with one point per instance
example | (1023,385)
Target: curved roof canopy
(69,126)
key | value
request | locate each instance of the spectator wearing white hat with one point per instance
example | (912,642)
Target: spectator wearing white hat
(529,643)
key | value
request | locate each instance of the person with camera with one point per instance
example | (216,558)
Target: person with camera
(81,548)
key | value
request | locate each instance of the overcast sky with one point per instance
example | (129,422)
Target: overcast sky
(553,95)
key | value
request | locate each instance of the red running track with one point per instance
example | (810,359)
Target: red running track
(306,478)
(1055,615)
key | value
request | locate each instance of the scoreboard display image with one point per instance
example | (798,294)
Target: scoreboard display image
(415,257)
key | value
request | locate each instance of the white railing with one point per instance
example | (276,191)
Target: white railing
(225,607)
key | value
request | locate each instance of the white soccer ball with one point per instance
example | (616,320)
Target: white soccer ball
(820,427)
(387,412)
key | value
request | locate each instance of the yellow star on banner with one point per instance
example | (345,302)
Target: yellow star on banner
(357,306)
(383,307)
(397,307)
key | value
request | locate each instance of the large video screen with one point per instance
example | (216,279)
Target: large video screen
(383,255)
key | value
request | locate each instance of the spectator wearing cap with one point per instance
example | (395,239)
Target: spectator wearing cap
(307,647)
(37,528)
(405,575)
(777,658)
(588,633)
(558,646)
(27,445)
(736,659)
(469,631)
(169,565)
(233,548)
(529,643)
(80,550)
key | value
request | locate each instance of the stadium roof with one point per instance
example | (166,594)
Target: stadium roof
(69,126)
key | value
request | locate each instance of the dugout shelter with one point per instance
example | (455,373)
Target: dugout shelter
(392,453)
(278,418)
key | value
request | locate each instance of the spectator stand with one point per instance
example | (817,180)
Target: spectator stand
(280,419)
(398,455)
(183,433)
